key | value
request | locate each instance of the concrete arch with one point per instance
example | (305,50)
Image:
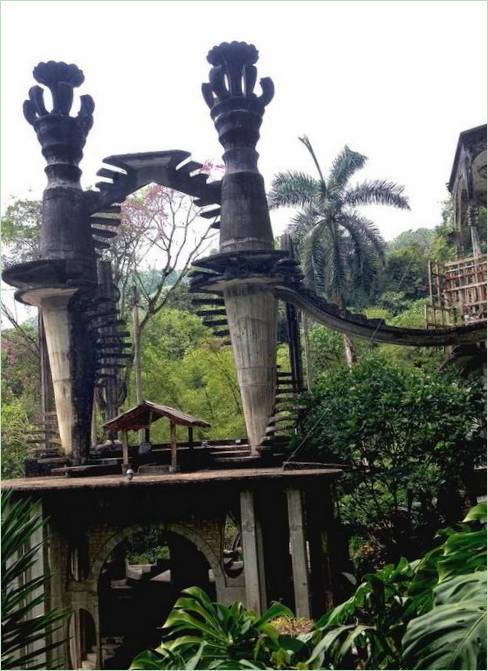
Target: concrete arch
(182,530)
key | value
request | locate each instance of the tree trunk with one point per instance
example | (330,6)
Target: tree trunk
(349,350)
(137,352)
(348,346)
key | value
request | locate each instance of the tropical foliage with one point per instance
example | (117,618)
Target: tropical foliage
(202,634)
(24,632)
(409,441)
(428,614)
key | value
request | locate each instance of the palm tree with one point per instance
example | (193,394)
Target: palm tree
(340,249)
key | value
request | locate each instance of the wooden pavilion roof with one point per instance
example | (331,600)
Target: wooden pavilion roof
(147,412)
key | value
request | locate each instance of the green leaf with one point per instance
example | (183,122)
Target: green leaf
(453,634)
(477,514)
(20,520)
(151,660)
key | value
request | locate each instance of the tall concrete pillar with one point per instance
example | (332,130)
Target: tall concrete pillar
(252,548)
(273,516)
(245,226)
(299,556)
(320,520)
(66,271)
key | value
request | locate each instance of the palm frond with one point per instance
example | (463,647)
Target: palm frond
(357,225)
(304,140)
(302,223)
(308,265)
(21,628)
(377,192)
(336,264)
(344,166)
(292,189)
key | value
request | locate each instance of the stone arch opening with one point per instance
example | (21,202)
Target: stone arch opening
(141,578)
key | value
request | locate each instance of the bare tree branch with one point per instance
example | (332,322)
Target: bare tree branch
(31,342)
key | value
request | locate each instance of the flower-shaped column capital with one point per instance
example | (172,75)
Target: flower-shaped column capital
(62,137)
(236,110)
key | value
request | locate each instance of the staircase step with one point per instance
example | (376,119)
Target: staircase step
(215,322)
(231,447)
(211,313)
(230,453)
(235,459)
(211,300)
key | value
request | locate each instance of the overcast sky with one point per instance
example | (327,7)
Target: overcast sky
(396,81)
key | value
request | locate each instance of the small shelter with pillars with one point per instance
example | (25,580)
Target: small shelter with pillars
(142,416)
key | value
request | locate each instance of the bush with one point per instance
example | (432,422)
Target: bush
(15,428)
(408,440)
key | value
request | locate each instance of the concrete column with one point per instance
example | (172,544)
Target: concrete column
(56,595)
(320,517)
(252,548)
(298,553)
(57,327)
(475,239)
(252,313)
(273,516)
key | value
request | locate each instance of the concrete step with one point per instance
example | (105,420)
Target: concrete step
(90,661)
(237,462)
(230,453)
(220,448)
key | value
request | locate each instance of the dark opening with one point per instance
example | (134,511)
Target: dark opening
(138,586)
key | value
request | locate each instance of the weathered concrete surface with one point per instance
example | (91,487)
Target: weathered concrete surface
(57,327)
(299,557)
(169,480)
(252,549)
(252,313)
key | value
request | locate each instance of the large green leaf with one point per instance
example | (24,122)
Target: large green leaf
(477,514)
(453,634)
(463,552)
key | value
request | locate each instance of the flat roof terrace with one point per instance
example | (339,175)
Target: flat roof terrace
(243,477)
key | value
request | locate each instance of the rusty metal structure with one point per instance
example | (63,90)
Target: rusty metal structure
(285,518)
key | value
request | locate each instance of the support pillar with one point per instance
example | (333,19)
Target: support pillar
(475,238)
(299,557)
(273,516)
(320,517)
(252,548)
(57,595)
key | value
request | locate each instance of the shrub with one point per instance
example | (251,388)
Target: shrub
(408,441)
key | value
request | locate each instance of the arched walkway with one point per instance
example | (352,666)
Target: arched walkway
(137,591)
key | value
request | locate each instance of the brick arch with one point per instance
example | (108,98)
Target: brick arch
(190,534)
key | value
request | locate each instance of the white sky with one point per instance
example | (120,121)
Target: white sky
(397,81)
